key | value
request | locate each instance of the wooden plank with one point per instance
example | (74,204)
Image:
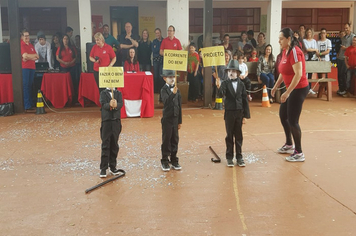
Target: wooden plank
(252,67)
(317,66)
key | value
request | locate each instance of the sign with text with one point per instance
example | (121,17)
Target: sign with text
(111,77)
(213,56)
(175,60)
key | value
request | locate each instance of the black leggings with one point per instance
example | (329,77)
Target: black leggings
(289,113)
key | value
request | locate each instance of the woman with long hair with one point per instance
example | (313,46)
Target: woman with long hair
(66,55)
(243,41)
(292,72)
(144,51)
(131,63)
(265,70)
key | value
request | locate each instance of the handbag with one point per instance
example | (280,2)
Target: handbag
(7,109)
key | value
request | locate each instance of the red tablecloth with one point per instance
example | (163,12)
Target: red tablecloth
(88,89)
(138,86)
(6,92)
(57,88)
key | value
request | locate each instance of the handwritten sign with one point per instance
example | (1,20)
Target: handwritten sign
(111,77)
(175,60)
(213,56)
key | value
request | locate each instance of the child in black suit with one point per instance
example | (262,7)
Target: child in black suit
(171,121)
(236,110)
(110,130)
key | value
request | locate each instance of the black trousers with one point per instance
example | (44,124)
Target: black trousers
(289,113)
(341,74)
(193,91)
(233,126)
(109,133)
(170,139)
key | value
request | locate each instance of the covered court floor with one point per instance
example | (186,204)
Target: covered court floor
(47,161)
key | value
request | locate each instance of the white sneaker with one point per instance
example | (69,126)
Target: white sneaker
(312,92)
(296,157)
(286,149)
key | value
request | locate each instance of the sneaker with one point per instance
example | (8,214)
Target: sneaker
(103,173)
(342,93)
(295,157)
(115,171)
(312,92)
(240,162)
(165,166)
(286,149)
(230,163)
(176,166)
(346,95)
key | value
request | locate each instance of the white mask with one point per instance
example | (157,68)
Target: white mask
(170,80)
(232,74)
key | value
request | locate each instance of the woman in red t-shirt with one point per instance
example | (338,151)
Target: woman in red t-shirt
(66,55)
(102,55)
(131,63)
(292,72)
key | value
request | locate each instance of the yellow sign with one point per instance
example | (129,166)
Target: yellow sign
(111,77)
(175,60)
(213,56)
(149,23)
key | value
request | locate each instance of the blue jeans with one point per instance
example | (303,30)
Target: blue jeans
(268,80)
(349,73)
(28,76)
(157,72)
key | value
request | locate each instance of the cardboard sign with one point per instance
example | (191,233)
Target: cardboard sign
(111,77)
(175,60)
(213,56)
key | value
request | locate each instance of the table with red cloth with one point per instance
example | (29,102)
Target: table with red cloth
(138,86)
(88,89)
(57,88)
(6,92)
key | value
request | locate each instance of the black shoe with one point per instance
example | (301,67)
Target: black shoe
(230,163)
(176,166)
(241,162)
(165,166)
(115,171)
(103,173)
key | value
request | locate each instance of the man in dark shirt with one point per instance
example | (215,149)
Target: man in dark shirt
(250,36)
(127,41)
(157,61)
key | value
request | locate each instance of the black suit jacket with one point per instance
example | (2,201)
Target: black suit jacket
(106,113)
(172,103)
(235,100)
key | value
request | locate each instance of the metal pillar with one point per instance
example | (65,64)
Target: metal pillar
(207,42)
(15,49)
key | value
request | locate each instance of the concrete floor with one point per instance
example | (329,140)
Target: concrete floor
(47,161)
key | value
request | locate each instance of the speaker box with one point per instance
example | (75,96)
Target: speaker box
(5,58)
(90,64)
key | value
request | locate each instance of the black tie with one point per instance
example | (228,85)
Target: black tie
(234,80)
(171,86)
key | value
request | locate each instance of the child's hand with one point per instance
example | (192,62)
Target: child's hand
(179,126)
(175,89)
(217,82)
(113,103)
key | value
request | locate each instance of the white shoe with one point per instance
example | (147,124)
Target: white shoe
(312,92)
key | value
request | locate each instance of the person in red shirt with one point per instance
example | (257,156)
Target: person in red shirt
(171,42)
(66,55)
(131,63)
(102,55)
(193,66)
(29,56)
(292,72)
(350,61)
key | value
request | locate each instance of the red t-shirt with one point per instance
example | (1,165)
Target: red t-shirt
(351,54)
(67,56)
(29,49)
(253,60)
(286,67)
(105,54)
(171,44)
(131,67)
(193,61)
